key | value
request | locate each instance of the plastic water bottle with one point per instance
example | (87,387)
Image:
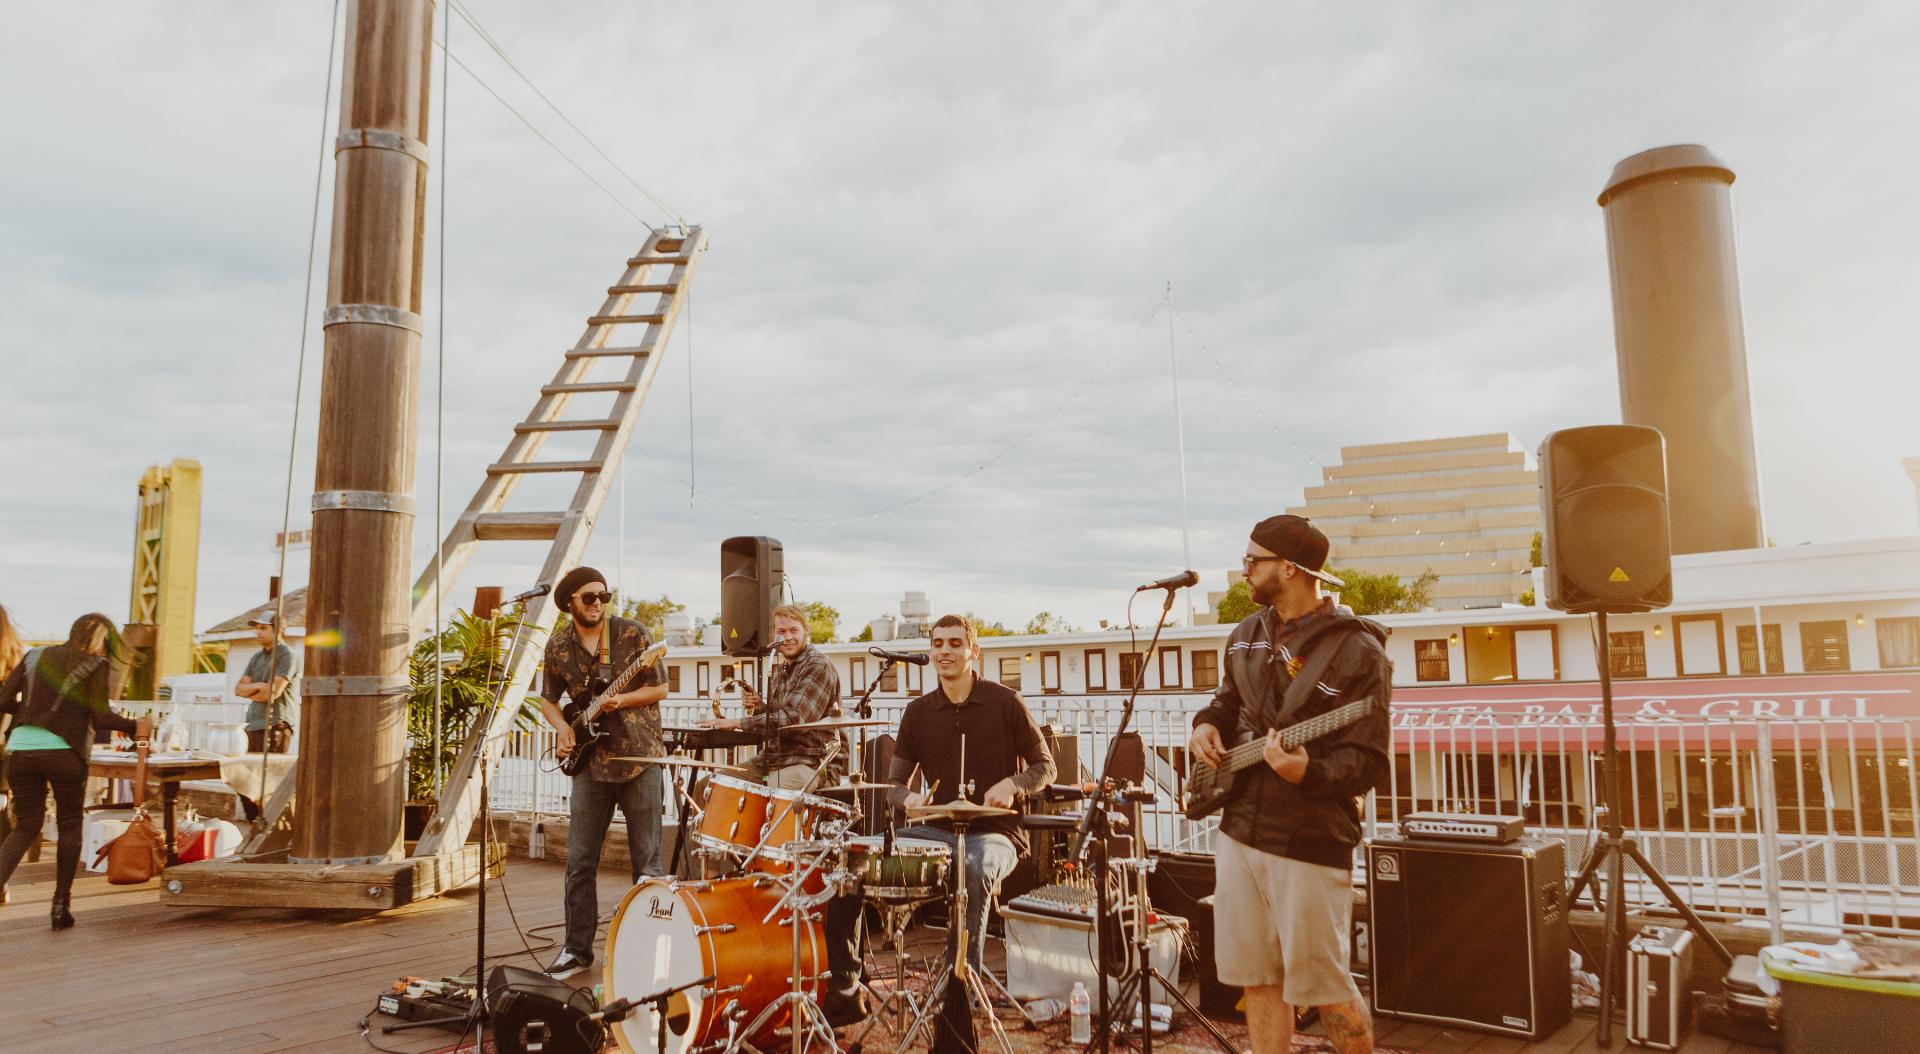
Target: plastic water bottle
(1081,1014)
(1045,1009)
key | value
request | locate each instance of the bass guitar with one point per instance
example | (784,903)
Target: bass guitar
(1211,786)
(584,718)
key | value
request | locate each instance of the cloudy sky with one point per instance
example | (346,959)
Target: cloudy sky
(941,237)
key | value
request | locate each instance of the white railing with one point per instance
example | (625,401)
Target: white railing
(1846,795)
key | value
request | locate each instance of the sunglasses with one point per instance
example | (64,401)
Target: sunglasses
(591,599)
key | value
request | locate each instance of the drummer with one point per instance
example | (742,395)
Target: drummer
(802,687)
(1006,759)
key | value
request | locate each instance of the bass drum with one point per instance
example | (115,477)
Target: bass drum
(666,934)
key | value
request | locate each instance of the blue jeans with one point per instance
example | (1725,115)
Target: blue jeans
(990,859)
(590,813)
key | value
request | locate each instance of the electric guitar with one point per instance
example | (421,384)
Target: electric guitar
(584,718)
(1211,786)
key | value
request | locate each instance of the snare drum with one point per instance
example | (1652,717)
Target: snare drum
(733,813)
(917,870)
(665,934)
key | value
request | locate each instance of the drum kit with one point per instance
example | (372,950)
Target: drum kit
(732,960)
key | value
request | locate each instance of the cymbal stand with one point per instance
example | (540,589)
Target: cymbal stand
(1144,973)
(808,1021)
(959,968)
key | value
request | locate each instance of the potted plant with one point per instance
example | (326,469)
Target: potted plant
(472,655)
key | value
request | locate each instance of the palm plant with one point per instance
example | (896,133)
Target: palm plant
(472,654)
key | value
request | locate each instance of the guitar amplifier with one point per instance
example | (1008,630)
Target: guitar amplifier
(1470,934)
(1463,826)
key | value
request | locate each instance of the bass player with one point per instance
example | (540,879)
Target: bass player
(1284,856)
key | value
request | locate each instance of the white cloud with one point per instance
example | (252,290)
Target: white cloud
(930,225)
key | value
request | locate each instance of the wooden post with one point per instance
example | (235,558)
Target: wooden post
(352,772)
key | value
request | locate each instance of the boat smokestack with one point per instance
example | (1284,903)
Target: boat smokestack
(1678,336)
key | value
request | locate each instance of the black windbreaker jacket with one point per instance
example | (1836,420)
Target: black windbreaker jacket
(1317,820)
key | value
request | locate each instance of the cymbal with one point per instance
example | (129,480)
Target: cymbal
(856,785)
(957,810)
(828,724)
(674,761)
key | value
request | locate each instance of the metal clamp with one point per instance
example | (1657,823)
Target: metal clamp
(720,927)
(375,315)
(381,139)
(359,686)
(363,500)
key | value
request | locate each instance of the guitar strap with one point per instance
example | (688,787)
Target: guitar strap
(606,651)
(1298,689)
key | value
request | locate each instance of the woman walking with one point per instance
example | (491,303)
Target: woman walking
(9,658)
(57,697)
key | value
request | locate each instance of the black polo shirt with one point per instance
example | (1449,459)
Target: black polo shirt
(1001,742)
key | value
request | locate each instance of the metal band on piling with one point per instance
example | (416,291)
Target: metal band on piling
(363,500)
(381,139)
(368,685)
(373,314)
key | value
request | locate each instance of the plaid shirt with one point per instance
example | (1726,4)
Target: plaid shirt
(573,670)
(806,689)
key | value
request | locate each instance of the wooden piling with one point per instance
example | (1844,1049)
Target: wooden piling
(352,772)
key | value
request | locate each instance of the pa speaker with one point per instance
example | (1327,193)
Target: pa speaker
(751,569)
(1603,495)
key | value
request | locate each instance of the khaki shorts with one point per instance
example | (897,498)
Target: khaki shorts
(1282,922)
(791,777)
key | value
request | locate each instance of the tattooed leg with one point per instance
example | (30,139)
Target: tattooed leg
(1348,1025)
(1269,1020)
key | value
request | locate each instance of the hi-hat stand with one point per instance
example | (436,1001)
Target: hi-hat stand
(1612,849)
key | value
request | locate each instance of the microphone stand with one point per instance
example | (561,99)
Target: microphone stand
(1095,820)
(863,709)
(479,1015)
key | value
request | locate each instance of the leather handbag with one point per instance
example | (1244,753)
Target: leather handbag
(137,855)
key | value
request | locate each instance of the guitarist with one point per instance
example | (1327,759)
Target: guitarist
(1284,855)
(580,662)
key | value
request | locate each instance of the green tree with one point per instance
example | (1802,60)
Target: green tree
(472,654)
(983,628)
(1236,605)
(1378,594)
(865,634)
(1527,598)
(1048,622)
(823,622)
(650,613)
(1533,554)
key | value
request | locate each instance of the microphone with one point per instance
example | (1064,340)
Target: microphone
(916,658)
(1179,581)
(537,591)
(1063,792)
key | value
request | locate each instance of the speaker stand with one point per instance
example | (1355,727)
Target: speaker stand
(1612,849)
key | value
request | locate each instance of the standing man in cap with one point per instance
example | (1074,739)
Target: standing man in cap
(581,661)
(267,685)
(1285,853)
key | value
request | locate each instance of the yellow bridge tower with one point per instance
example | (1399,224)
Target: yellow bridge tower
(166,559)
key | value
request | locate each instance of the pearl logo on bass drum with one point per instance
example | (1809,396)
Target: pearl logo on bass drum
(658,910)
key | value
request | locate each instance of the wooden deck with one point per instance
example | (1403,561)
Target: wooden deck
(134,976)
